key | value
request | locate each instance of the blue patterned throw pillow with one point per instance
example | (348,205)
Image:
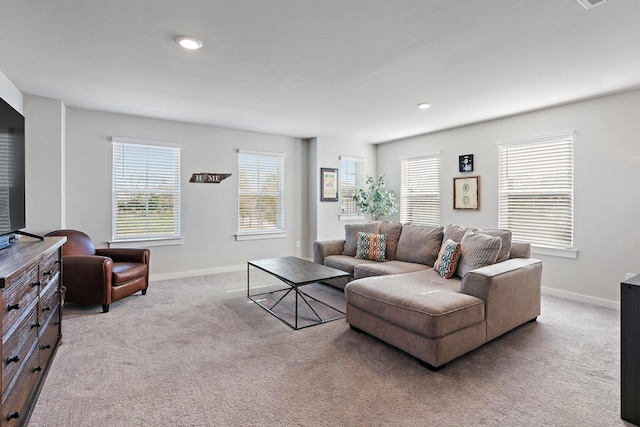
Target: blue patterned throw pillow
(448,259)
(371,246)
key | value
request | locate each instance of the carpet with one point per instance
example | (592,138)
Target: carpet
(196,352)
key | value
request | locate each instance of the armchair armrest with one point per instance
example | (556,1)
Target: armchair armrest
(125,254)
(322,249)
(510,290)
(87,278)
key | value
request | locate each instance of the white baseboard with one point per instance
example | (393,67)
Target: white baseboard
(582,298)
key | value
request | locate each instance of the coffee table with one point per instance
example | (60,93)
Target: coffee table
(295,273)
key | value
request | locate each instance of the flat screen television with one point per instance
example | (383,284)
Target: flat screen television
(12,172)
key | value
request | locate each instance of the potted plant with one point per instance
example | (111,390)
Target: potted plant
(376,200)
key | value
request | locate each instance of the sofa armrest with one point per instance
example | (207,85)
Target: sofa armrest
(322,249)
(510,290)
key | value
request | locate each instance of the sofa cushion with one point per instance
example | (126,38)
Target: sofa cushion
(477,250)
(346,263)
(448,259)
(505,239)
(392,232)
(371,246)
(351,235)
(454,232)
(419,243)
(421,307)
(385,268)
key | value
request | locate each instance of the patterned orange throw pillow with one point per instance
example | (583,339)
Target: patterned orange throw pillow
(448,259)
(371,246)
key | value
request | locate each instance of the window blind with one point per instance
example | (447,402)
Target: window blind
(536,189)
(260,191)
(420,190)
(146,191)
(351,179)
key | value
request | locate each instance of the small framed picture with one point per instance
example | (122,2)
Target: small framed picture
(466,193)
(465,163)
(328,185)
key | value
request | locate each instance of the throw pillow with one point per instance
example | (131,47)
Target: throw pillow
(477,250)
(392,231)
(448,259)
(505,237)
(351,235)
(419,244)
(371,246)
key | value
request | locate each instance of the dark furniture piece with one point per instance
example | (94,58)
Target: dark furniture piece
(30,286)
(101,276)
(295,272)
(630,349)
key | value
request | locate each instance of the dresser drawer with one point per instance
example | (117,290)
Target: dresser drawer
(49,300)
(49,336)
(16,345)
(16,402)
(18,296)
(49,268)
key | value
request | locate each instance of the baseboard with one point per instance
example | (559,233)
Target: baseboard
(582,298)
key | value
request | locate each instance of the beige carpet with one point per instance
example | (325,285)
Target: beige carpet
(195,352)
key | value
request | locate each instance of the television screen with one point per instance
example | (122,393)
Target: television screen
(12,170)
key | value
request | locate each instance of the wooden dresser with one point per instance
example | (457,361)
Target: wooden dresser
(31,297)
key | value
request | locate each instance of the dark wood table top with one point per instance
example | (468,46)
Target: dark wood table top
(297,271)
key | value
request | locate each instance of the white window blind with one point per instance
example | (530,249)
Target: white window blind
(351,179)
(536,189)
(146,191)
(260,192)
(420,190)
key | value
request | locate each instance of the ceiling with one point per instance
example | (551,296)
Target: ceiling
(347,69)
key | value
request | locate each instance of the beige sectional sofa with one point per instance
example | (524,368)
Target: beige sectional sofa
(405,302)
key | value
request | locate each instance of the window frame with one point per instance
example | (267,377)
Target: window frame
(542,176)
(351,167)
(429,194)
(279,230)
(171,168)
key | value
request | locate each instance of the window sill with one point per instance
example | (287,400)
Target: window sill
(261,235)
(145,243)
(351,217)
(561,253)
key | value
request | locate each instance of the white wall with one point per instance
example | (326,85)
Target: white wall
(209,211)
(45,168)
(607,173)
(10,93)
(326,154)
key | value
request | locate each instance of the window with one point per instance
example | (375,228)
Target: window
(420,190)
(146,191)
(536,189)
(260,192)
(351,179)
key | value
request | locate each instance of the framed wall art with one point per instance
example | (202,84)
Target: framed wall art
(328,185)
(466,193)
(465,163)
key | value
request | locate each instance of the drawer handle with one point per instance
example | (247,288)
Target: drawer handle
(34,284)
(35,325)
(13,307)
(57,323)
(13,359)
(47,308)
(46,346)
(37,369)
(15,415)
(47,273)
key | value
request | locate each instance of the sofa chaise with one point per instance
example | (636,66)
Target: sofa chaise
(434,292)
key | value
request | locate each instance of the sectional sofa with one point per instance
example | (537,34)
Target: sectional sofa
(434,292)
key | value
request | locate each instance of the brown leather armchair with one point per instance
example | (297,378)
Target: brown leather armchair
(101,276)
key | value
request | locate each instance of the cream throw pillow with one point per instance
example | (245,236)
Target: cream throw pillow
(477,250)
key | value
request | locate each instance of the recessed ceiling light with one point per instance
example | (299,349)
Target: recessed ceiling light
(424,105)
(189,42)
